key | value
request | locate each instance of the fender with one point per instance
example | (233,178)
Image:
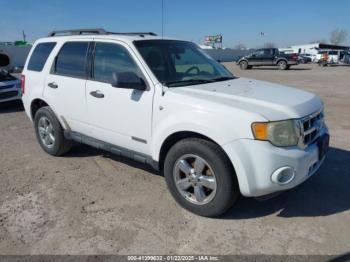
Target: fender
(203,123)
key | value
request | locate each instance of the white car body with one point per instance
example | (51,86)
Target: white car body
(333,56)
(221,111)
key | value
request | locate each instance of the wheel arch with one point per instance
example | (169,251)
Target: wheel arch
(173,138)
(35,105)
(243,60)
(281,59)
(38,103)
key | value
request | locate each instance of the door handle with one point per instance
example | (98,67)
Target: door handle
(97,94)
(53,85)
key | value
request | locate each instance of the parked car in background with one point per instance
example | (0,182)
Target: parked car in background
(304,59)
(332,57)
(319,56)
(345,57)
(167,103)
(10,87)
(310,56)
(268,57)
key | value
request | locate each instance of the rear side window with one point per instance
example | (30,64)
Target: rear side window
(39,56)
(72,59)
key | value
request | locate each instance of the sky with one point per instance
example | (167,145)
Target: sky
(283,22)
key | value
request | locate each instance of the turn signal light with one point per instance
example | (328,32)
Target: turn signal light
(260,131)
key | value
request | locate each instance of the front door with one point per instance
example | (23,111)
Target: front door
(119,116)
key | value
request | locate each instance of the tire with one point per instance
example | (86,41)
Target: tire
(282,65)
(243,65)
(49,133)
(217,168)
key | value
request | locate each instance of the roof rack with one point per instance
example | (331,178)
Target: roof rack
(94,31)
(133,33)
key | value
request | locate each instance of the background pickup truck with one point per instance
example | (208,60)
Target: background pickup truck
(268,57)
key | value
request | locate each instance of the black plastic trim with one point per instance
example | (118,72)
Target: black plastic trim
(116,150)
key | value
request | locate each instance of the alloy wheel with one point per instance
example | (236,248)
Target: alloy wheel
(195,179)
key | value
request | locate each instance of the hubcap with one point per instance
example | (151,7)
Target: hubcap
(46,132)
(195,179)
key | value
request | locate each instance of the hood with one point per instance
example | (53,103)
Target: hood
(272,101)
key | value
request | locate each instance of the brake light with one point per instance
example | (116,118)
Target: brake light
(294,57)
(23,84)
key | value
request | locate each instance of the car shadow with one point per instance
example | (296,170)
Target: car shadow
(341,258)
(324,194)
(11,106)
(81,150)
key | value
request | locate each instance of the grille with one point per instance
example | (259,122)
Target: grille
(9,94)
(311,126)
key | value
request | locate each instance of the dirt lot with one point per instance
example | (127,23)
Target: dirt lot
(90,202)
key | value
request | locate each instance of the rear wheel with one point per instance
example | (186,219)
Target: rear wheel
(49,133)
(282,65)
(200,177)
(243,65)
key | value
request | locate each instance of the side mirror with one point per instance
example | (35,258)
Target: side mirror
(129,80)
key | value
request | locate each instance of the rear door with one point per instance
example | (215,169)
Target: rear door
(65,84)
(269,56)
(119,116)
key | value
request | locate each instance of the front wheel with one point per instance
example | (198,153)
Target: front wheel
(200,177)
(243,65)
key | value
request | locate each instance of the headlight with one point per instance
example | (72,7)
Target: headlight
(280,133)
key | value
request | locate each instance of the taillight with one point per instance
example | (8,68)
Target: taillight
(23,83)
(294,57)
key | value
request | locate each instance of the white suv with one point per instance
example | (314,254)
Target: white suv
(167,103)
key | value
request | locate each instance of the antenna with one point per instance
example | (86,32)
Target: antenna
(24,36)
(162,18)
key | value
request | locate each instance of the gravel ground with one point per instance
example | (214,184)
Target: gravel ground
(90,202)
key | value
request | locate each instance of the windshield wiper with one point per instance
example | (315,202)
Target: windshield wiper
(188,82)
(222,78)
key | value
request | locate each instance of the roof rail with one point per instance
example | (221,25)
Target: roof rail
(93,31)
(132,33)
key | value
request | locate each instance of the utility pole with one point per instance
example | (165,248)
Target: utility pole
(162,18)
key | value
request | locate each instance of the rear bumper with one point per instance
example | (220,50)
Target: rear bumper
(257,162)
(10,94)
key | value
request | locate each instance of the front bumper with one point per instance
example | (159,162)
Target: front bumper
(255,162)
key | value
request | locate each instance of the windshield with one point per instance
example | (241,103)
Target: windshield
(180,63)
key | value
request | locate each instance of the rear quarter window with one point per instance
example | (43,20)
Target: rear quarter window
(39,56)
